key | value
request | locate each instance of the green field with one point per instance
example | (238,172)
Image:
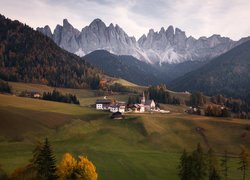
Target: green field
(141,146)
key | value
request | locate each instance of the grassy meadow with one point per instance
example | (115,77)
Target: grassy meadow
(141,146)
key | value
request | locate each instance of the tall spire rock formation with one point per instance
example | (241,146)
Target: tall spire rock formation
(170,46)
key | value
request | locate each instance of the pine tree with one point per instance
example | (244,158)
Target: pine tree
(224,164)
(244,161)
(199,163)
(45,162)
(213,166)
(185,166)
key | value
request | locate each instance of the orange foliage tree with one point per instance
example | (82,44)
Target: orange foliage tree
(70,168)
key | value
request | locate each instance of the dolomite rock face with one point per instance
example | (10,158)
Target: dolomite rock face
(170,46)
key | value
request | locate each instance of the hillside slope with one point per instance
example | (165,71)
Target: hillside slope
(126,67)
(29,56)
(148,144)
(227,74)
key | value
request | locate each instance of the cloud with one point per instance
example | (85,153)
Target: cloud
(198,18)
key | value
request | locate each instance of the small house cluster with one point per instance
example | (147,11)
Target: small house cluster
(31,94)
(120,106)
(145,105)
(109,105)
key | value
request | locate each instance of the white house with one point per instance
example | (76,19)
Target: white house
(150,105)
(138,108)
(117,108)
(142,108)
(103,104)
(114,108)
(37,95)
(122,109)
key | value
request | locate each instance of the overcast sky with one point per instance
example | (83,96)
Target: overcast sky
(196,17)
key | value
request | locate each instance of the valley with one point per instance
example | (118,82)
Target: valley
(148,144)
(160,105)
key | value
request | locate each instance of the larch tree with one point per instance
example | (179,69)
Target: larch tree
(82,168)
(66,168)
(86,169)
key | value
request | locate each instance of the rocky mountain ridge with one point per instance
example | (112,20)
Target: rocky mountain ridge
(166,46)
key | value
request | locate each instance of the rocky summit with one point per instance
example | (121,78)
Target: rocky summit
(170,46)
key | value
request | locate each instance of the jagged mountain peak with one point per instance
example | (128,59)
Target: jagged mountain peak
(45,30)
(170,28)
(111,26)
(177,30)
(66,22)
(168,45)
(97,23)
(162,30)
(151,31)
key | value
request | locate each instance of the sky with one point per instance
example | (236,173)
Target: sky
(230,18)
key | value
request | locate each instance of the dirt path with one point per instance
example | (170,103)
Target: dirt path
(200,131)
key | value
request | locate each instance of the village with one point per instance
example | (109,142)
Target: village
(118,108)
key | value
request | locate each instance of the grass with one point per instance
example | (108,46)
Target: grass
(142,146)
(18,87)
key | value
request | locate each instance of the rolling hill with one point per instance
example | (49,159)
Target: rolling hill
(28,56)
(227,74)
(126,67)
(141,146)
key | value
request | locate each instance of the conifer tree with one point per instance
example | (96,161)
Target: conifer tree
(185,166)
(199,163)
(224,164)
(45,162)
(213,166)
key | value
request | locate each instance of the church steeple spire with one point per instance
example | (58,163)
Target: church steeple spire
(143,98)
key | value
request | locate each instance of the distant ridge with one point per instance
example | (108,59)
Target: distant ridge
(126,67)
(228,74)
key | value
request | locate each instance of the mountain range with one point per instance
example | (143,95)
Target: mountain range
(168,46)
(227,74)
(29,56)
(126,66)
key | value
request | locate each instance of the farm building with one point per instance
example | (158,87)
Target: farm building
(103,104)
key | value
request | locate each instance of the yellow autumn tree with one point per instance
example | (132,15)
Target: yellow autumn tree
(66,167)
(70,168)
(86,169)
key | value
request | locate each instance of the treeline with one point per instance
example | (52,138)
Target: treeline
(221,107)
(161,95)
(134,99)
(217,111)
(43,166)
(239,108)
(29,56)
(5,87)
(117,87)
(201,165)
(59,97)
(197,99)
